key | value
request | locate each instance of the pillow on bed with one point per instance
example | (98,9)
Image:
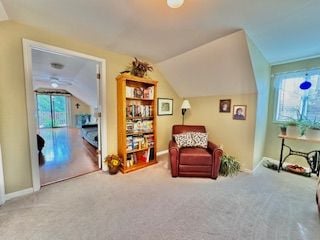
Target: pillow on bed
(183,139)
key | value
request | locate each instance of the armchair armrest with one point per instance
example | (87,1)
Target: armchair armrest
(216,158)
(174,158)
(212,147)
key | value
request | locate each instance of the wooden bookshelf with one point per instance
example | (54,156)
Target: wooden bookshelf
(137,109)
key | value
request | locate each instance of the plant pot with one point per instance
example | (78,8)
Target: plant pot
(283,130)
(138,73)
(293,131)
(114,170)
(113,162)
(312,133)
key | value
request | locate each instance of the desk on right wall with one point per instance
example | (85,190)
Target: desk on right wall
(312,157)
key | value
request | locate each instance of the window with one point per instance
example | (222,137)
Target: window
(52,110)
(293,102)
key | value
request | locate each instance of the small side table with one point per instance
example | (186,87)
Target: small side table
(312,157)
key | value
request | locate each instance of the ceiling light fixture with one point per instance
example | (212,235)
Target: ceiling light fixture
(54,85)
(54,82)
(175,3)
(57,65)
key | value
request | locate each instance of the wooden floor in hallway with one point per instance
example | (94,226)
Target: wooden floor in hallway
(65,155)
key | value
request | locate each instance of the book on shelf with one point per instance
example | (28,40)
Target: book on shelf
(129,92)
(140,92)
(137,142)
(139,126)
(129,126)
(150,154)
(129,143)
(138,110)
(138,157)
(131,159)
(149,138)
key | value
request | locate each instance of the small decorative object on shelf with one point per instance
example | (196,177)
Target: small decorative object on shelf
(113,162)
(138,68)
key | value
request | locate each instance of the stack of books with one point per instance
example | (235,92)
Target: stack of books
(135,110)
(140,92)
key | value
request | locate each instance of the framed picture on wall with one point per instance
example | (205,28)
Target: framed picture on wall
(225,105)
(165,106)
(239,112)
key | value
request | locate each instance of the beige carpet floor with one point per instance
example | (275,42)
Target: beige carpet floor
(149,204)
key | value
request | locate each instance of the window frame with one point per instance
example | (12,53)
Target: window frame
(277,80)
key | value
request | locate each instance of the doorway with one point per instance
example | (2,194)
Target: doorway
(54,107)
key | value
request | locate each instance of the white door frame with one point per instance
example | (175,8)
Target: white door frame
(2,188)
(28,45)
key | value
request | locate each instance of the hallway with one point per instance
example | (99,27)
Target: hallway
(65,155)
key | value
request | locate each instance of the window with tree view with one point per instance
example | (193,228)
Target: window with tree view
(294,103)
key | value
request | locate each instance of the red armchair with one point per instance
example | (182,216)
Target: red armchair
(194,161)
(318,195)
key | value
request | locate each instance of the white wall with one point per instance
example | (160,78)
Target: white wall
(221,67)
(262,73)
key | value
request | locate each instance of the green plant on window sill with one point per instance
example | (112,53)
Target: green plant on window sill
(302,122)
(229,166)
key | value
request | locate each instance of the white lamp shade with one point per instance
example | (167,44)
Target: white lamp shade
(185,104)
(175,3)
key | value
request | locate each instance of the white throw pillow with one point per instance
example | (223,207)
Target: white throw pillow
(200,139)
(183,140)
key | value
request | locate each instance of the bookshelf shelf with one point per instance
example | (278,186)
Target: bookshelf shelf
(138,133)
(139,99)
(137,166)
(136,122)
(137,150)
(139,118)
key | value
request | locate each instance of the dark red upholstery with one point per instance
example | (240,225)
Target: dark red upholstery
(318,196)
(194,162)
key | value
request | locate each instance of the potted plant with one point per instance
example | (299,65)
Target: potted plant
(229,166)
(297,127)
(113,162)
(138,68)
(283,129)
(313,130)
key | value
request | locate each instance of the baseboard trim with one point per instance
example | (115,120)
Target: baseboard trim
(276,161)
(18,193)
(256,167)
(162,152)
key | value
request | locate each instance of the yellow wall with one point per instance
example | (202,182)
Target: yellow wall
(236,136)
(13,111)
(273,144)
(164,123)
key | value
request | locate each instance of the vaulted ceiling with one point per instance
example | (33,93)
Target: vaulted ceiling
(282,30)
(180,40)
(77,75)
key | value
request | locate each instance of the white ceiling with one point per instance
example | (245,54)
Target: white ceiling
(282,30)
(3,14)
(78,75)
